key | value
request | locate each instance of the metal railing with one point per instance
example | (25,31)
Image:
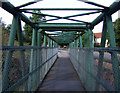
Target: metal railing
(28,66)
(95,71)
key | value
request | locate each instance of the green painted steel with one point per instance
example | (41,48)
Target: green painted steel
(82,71)
(101,56)
(64,29)
(61,9)
(48,36)
(88,81)
(112,9)
(81,42)
(41,59)
(19,85)
(77,43)
(29,3)
(20,40)
(39,44)
(82,14)
(115,63)
(31,81)
(74,43)
(78,21)
(51,43)
(5,76)
(66,17)
(93,3)
(71,45)
(42,14)
(45,41)
(61,25)
(11,9)
(48,42)
(67,37)
(55,44)
(39,41)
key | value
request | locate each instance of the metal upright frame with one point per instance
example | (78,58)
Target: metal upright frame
(69,32)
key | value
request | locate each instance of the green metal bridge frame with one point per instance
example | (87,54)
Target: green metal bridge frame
(71,32)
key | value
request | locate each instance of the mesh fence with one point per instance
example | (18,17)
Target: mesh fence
(98,68)
(28,66)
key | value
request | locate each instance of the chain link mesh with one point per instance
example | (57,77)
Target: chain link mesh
(22,72)
(93,79)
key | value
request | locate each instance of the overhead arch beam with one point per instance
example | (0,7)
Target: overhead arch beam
(85,9)
(49,36)
(61,26)
(63,29)
(93,3)
(42,14)
(29,3)
(82,22)
(109,11)
(83,14)
(66,17)
(11,9)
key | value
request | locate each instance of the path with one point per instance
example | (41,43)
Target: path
(62,76)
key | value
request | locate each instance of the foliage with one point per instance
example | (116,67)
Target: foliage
(2,24)
(83,39)
(96,45)
(28,29)
(8,27)
(117,31)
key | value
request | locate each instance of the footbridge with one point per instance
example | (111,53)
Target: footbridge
(44,66)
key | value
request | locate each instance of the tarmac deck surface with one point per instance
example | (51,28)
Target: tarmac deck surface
(62,76)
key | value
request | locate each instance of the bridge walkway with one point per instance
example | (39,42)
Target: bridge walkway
(62,76)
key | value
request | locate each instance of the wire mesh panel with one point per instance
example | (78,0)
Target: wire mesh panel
(94,75)
(28,66)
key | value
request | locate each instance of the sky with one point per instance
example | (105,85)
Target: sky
(7,17)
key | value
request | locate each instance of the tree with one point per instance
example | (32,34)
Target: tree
(8,27)
(117,31)
(2,24)
(28,29)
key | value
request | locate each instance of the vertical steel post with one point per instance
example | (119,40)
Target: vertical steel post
(20,39)
(51,43)
(6,70)
(48,42)
(45,41)
(101,55)
(115,63)
(55,44)
(81,42)
(89,61)
(69,45)
(77,43)
(22,54)
(32,78)
(39,43)
(72,44)
(45,56)
(77,55)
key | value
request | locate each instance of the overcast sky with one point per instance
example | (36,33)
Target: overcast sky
(7,18)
